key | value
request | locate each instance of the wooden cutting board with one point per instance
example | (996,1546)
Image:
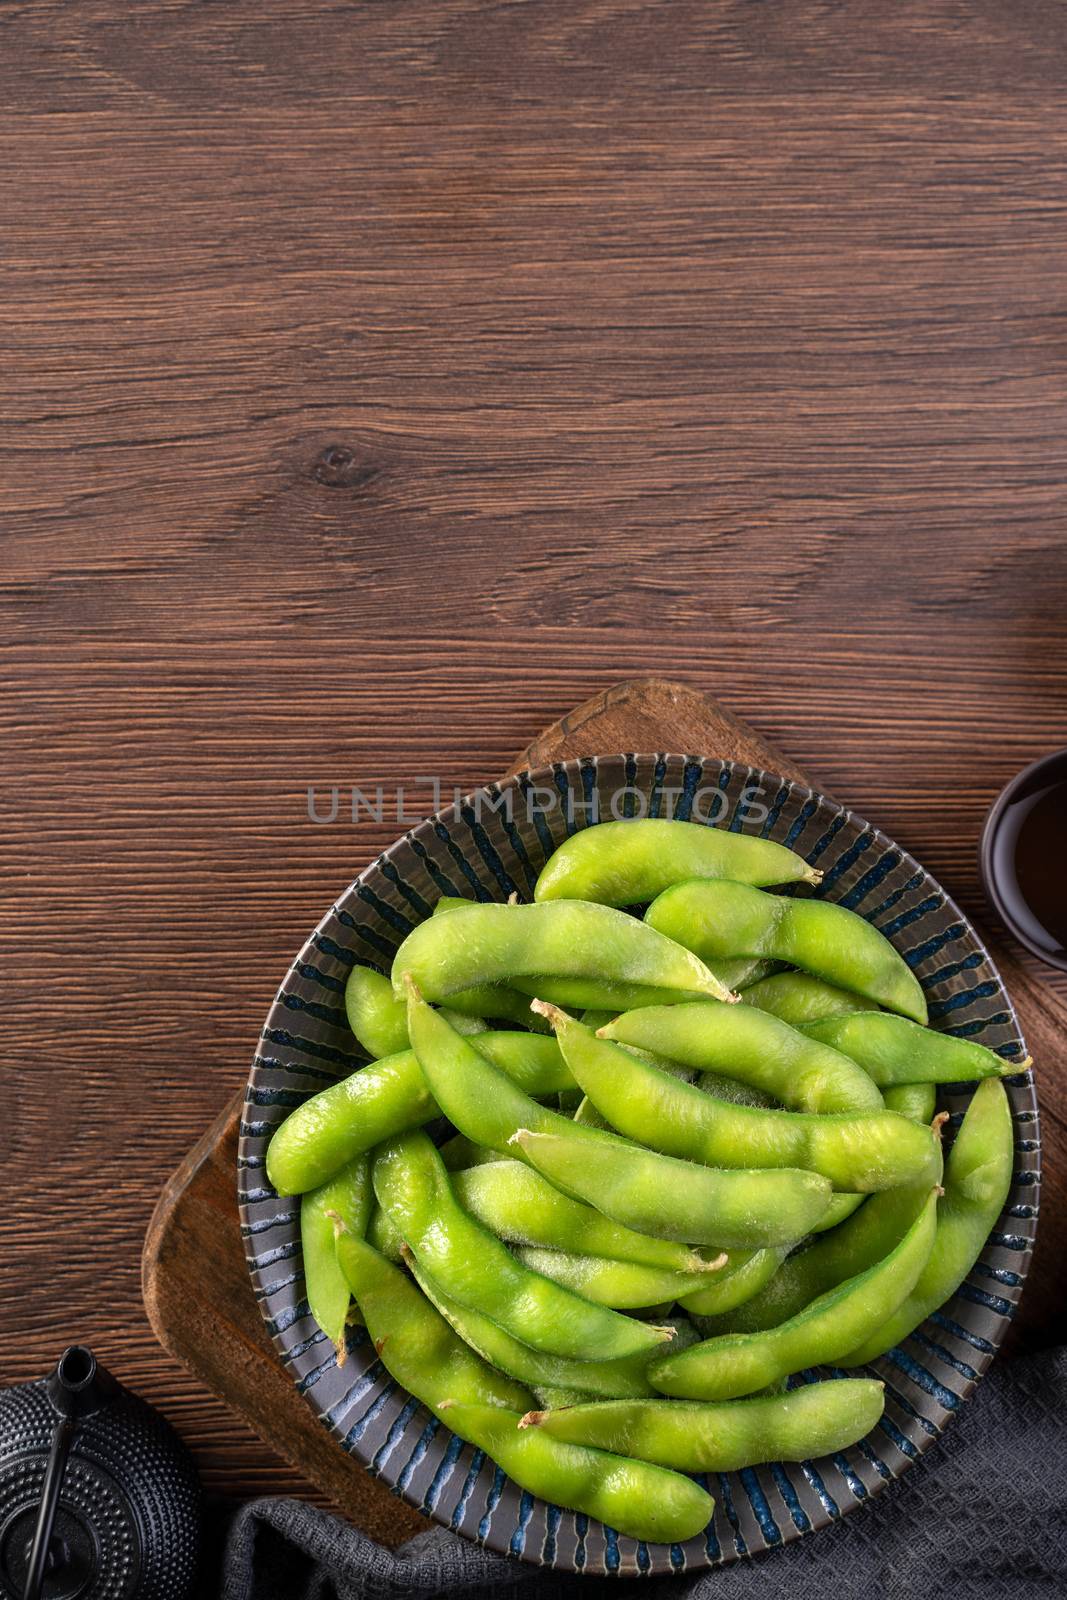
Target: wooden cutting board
(196,1284)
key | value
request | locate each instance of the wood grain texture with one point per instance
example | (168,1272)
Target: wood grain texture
(378,382)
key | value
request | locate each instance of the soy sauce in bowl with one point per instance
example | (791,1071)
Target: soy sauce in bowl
(1024,858)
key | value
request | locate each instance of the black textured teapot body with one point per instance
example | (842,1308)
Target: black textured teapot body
(99,1498)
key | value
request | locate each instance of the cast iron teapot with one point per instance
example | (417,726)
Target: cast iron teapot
(99,1498)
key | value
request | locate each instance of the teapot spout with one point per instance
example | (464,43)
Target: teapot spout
(78,1387)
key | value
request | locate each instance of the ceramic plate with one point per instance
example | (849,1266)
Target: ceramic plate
(491,844)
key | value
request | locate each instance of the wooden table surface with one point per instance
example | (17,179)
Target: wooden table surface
(379,381)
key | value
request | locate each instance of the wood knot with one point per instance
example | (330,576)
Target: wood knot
(338,467)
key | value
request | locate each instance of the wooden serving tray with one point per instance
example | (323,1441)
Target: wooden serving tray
(196,1285)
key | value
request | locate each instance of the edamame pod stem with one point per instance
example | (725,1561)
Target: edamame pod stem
(737,1364)
(915,1100)
(716,919)
(893,1050)
(567,945)
(630,863)
(977,1180)
(414,1342)
(621,1284)
(386,1097)
(643,1190)
(616,1379)
(516,1203)
(633,1497)
(674,1199)
(412,1185)
(860,1242)
(349,1197)
(797,997)
(814,1420)
(801,1072)
(859,1152)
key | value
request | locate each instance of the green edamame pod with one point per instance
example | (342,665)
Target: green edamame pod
(814,1420)
(742,1094)
(915,1100)
(739,1094)
(546,1395)
(574,1103)
(861,1242)
(733,975)
(893,1050)
(459,1152)
(674,1199)
(551,1396)
(750,1045)
(379,1020)
(840,1207)
(565,947)
(491,1000)
(414,1342)
(977,1180)
(741,1279)
(347,1196)
(621,1284)
(633,1497)
(859,1152)
(630,863)
(384,1235)
(498,1002)
(516,1203)
(587,1115)
(643,1190)
(412,1185)
(386,1097)
(591,1017)
(731,1365)
(484,1105)
(797,997)
(616,1379)
(375,1015)
(717,919)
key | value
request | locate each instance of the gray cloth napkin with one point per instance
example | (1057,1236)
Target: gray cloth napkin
(983,1514)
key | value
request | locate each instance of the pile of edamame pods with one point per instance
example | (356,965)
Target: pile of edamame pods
(630,1157)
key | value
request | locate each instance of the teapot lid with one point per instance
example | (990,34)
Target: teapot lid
(99,1498)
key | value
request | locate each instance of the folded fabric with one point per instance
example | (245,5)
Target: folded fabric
(982,1514)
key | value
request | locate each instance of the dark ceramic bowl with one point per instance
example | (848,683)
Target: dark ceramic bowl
(491,844)
(998,857)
